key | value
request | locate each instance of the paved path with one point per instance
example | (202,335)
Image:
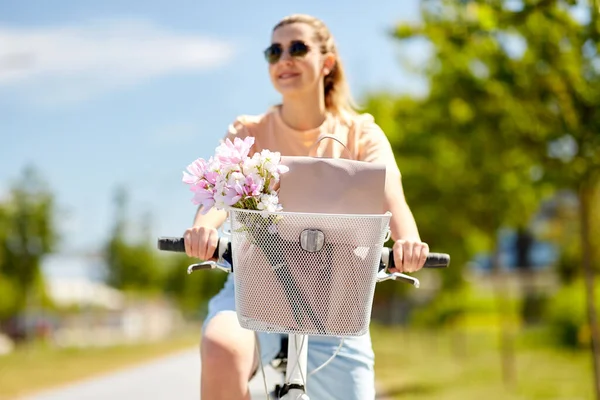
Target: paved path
(171,377)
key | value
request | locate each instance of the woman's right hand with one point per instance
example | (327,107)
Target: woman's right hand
(201,242)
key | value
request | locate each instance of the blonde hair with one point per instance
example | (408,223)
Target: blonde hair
(338,99)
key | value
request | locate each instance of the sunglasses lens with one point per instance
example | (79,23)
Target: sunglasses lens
(273,53)
(298,49)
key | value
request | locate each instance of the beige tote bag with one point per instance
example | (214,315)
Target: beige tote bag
(332,185)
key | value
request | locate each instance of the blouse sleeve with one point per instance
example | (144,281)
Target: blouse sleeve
(374,146)
(237,128)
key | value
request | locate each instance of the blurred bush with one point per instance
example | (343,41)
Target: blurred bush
(565,317)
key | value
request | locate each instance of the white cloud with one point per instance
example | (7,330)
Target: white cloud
(74,63)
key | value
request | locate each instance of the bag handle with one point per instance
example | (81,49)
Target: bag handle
(354,130)
(329,137)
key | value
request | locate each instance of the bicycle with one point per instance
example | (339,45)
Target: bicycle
(307,246)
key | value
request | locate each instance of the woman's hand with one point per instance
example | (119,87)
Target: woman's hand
(409,255)
(201,242)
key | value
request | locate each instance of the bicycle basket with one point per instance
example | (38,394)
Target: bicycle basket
(306,273)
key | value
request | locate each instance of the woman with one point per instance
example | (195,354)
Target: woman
(305,68)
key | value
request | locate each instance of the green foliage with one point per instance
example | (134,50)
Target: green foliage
(560,225)
(444,311)
(566,318)
(9,300)
(508,119)
(471,304)
(132,263)
(192,291)
(533,305)
(136,266)
(27,233)
(133,266)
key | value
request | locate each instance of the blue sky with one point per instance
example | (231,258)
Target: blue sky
(101,93)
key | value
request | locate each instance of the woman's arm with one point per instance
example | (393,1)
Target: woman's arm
(402,224)
(410,252)
(212,219)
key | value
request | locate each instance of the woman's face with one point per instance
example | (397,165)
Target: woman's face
(302,70)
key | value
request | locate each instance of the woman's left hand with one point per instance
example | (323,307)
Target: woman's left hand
(409,255)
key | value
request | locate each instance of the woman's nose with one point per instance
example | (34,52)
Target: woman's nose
(286,57)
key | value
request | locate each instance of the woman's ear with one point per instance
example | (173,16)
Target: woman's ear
(328,63)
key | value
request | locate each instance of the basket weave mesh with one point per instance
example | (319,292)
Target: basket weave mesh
(282,287)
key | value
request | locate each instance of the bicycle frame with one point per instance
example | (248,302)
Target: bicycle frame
(296,369)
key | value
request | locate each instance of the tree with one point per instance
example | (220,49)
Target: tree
(27,233)
(509,116)
(131,265)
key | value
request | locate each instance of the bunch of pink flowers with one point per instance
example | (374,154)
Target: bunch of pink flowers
(233,179)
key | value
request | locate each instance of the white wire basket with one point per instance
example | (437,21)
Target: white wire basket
(306,273)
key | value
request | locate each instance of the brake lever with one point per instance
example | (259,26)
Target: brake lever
(208,265)
(397,276)
(223,254)
(382,275)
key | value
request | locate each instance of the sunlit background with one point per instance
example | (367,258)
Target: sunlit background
(490,106)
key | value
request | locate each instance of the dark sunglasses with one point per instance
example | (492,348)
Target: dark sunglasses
(297,49)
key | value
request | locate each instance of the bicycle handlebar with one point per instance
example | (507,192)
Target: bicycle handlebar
(175,244)
(434,260)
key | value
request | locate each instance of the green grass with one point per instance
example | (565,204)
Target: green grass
(449,365)
(36,367)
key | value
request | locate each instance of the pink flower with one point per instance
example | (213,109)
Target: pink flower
(231,196)
(252,186)
(226,196)
(235,152)
(204,197)
(231,176)
(211,177)
(202,184)
(196,171)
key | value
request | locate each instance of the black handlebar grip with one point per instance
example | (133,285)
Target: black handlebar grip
(437,260)
(171,244)
(178,245)
(434,260)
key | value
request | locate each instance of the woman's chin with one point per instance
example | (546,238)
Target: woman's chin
(290,91)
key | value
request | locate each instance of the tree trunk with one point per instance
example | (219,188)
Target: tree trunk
(585,198)
(507,353)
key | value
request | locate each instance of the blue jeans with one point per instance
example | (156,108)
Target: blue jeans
(349,376)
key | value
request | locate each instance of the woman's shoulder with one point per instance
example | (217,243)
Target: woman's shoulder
(249,124)
(370,141)
(360,122)
(365,132)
